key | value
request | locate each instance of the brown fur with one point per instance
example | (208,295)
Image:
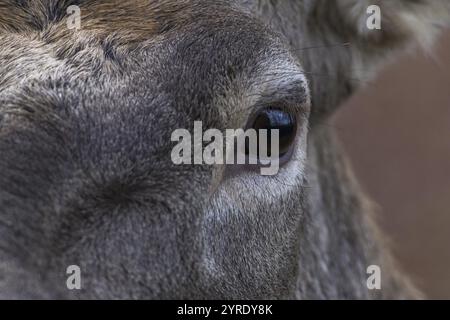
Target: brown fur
(86,177)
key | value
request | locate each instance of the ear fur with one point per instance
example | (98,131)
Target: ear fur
(336,71)
(403,23)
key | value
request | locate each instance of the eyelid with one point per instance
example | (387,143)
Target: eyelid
(292,97)
(301,114)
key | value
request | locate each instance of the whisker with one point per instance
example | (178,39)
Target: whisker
(341,45)
(283,73)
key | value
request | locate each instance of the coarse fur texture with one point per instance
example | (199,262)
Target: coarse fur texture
(85,123)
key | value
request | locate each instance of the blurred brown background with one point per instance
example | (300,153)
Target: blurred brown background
(397,132)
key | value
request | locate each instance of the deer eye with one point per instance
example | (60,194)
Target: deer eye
(276,119)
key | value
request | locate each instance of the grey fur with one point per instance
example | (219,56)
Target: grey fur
(86,176)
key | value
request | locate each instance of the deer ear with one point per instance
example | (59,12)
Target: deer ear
(374,31)
(399,20)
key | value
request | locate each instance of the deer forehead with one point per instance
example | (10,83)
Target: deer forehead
(131,20)
(218,48)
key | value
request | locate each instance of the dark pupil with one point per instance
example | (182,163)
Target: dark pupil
(277,119)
